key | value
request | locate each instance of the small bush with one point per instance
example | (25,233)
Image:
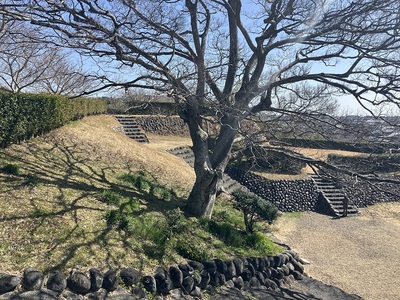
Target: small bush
(11,169)
(204,223)
(118,219)
(261,243)
(31,180)
(142,184)
(175,220)
(148,227)
(227,233)
(114,217)
(110,197)
(139,181)
(191,251)
(131,207)
(145,183)
(127,178)
(254,209)
(161,192)
(225,216)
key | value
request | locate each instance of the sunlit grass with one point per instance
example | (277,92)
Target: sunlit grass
(80,200)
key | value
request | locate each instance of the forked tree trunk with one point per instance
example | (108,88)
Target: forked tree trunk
(209,168)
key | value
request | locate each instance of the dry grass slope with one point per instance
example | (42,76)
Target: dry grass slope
(50,215)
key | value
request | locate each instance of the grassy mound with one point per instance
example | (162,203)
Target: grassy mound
(85,195)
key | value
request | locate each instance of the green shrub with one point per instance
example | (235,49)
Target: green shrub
(118,219)
(261,243)
(114,217)
(161,192)
(204,223)
(110,197)
(227,233)
(166,194)
(143,184)
(148,227)
(175,220)
(11,169)
(191,251)
(128,178)
(31,180)
(131,207)
(226,216)
(254,209)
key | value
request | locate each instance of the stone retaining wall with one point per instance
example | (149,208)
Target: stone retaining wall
(174,125)
(189,278)
(163,125)
(287,195)
(364,193)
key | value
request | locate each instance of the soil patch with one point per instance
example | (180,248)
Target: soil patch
(359,255)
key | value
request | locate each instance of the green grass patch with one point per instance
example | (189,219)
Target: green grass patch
(110,197)
(11,169)
(31,180)
(145,183)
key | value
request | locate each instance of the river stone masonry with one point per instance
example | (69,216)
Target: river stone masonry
(287,195)
(188,278)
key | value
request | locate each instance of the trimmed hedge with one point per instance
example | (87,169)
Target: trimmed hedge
(23,116)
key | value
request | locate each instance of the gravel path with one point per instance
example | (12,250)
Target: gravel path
(360,255)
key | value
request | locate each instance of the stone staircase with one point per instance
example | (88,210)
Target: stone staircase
(187,155)
(132,129)
(333,195)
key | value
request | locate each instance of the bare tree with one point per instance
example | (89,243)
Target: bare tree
(65,76)
(231,59)
(23,60)
(28,62)
(3,24)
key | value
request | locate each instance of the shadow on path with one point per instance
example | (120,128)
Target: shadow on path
(307,289)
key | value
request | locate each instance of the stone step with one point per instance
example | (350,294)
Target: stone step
(333,195)
(136,132)
(132,129)
(128,122)
(180,150)
(336,202)
(184,153)
(136,136)
(326,186)
(187,155)
(350,211)
(143,141)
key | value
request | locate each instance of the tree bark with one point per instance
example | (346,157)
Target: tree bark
(204,193)
(209,166)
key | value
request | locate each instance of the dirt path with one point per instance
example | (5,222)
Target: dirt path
(360,255)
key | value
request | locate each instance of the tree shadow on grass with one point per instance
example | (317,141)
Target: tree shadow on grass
(55,208)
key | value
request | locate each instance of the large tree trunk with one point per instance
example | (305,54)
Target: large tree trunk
(203,194)
(209,166)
